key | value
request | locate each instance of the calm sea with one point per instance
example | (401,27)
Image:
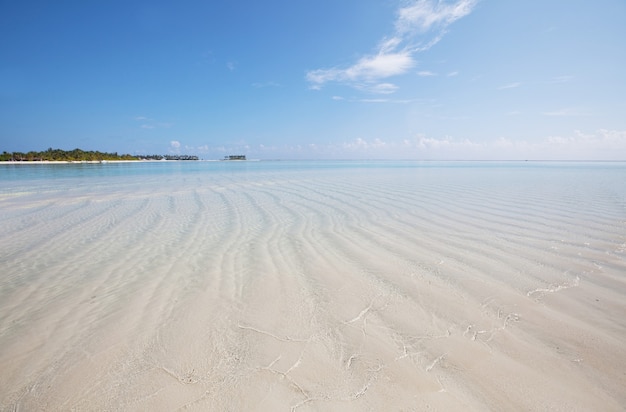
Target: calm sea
(14,174)
(585,182)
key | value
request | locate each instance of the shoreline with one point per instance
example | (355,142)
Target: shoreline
(35,162)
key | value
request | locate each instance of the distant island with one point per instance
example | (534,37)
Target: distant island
(78,155)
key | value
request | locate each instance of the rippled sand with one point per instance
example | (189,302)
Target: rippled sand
(393,289)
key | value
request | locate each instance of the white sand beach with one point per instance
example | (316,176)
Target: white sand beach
(360,289)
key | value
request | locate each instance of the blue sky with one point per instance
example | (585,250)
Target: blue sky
(350,79)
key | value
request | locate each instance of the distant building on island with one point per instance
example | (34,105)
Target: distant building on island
(168,157)
(235,157)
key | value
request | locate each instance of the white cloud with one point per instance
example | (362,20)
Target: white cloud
(367,70)
(418,27)
(447,144)
(601,145)
(426,73)
(452,74)
(380,66)
(362,144)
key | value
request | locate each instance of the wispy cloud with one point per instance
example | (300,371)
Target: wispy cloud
(567,112)
(426,73)
(563,79)
(510,86)
(419,25)
(149,123)
(424,15)
(396,101)
(383,88)
(373,100)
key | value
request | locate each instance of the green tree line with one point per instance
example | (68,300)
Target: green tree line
(78,155)
(64,155)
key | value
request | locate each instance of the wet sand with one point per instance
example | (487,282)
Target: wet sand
(315,291)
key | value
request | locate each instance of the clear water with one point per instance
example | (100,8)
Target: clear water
(330,284)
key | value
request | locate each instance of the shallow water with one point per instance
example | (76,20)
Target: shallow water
(313,286)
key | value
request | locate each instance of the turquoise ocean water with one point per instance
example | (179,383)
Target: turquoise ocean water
(17,177)
(588,183)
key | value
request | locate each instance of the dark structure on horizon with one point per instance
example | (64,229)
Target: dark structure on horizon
(235,157)
(168,157)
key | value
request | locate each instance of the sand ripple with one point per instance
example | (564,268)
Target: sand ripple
(393,289)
